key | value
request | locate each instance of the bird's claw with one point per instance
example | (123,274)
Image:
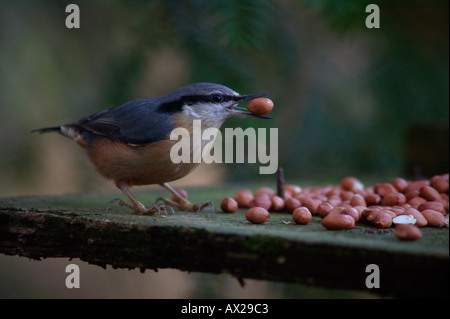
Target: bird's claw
(157,209)
(113,201)
(200,206)
(140,208)
(187,206)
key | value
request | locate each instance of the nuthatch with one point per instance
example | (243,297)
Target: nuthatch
(130,144)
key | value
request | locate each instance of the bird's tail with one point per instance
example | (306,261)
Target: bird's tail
(47,129)
(70,131)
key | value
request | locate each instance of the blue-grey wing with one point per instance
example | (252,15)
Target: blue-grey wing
(136,122)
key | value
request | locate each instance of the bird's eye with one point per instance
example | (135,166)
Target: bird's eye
(217,98)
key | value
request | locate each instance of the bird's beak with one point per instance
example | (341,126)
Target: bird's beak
(241,111)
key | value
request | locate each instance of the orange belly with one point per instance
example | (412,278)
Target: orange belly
(137,165)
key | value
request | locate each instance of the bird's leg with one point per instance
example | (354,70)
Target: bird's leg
(182,203)
(135,204)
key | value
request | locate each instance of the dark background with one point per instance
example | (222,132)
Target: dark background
(348,100)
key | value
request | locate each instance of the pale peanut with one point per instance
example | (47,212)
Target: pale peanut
(420,219)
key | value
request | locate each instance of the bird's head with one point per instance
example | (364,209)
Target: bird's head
(212,103)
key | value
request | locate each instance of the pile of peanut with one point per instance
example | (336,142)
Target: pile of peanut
(405,205)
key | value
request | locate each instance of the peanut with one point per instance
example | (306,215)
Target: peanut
(301,216)
(311,204)
(439,184)
(292,203)
(370,214)
(415,186)
(228,205)
(373,199)
(351,184)
(407,232)
(351,212)
(416,201)
(334,200)
(360,210)
(411,194)
(262,201)
(434,218)
(257,215)
(399,184)
(357,200)
(397,210)
(429,193)
(260,106)
(404,219)
(243,198)
(346,195)
(384,189)
(383,220)
(420,219)
(324,209)
(336,210)
(265,191)
(277,203)
(393,199)
(338,221)
(293,189)
(432,205)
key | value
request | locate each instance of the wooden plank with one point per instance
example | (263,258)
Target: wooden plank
(78,226)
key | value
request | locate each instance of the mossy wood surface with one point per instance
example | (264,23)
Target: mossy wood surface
(78,226)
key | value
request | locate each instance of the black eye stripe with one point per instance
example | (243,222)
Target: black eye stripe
(176,106)
(207,98)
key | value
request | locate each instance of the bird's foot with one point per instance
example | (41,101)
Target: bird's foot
(185,205)
(182,202)
(140,208)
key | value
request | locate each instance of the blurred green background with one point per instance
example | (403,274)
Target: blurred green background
(372,103)
(348,100)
